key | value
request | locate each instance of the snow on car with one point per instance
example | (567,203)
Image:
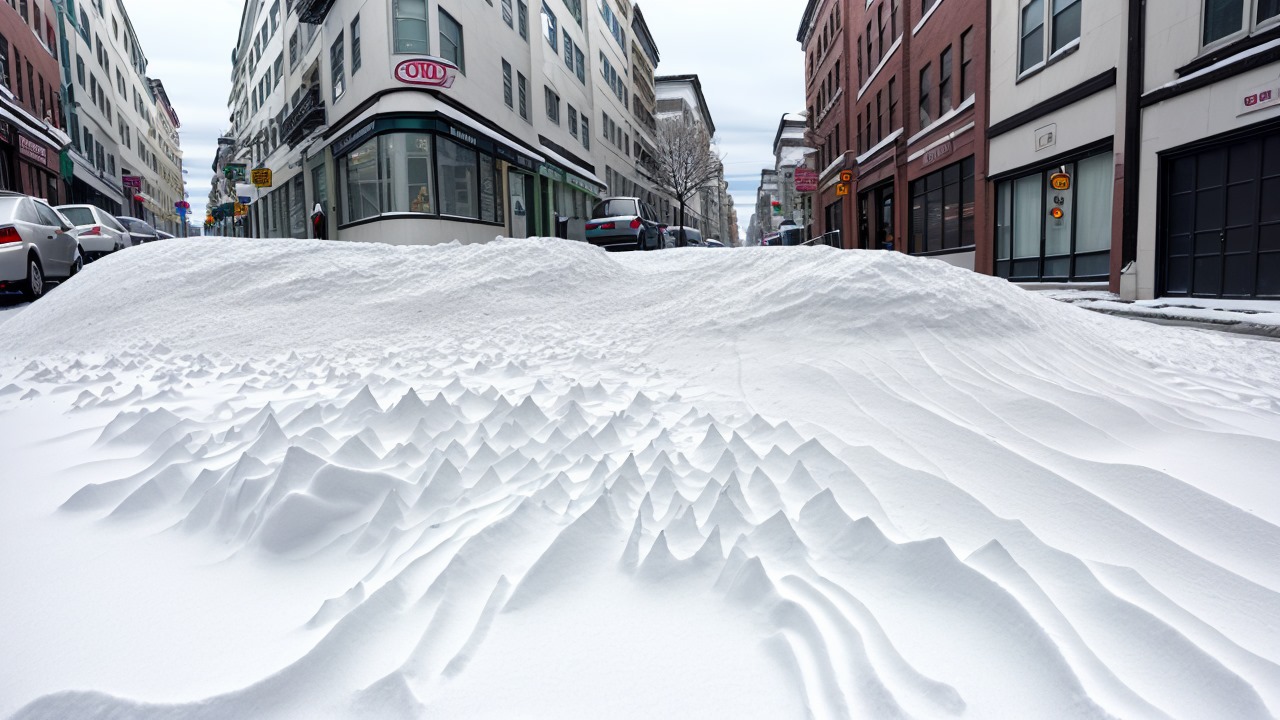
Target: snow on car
(306,479)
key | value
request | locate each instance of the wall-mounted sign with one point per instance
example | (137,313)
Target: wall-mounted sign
(1262,96)
(426,72)
(842,189)
(261,177)
(806,180)
(241,210)
(235,172)
(934,154)
(182,205)
(1060,181)
(846,176)
(132,181)
(32,149)
(1046,137)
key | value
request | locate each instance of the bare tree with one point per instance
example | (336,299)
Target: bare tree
(685,161)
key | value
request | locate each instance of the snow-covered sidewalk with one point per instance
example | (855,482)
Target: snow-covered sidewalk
(532,479)
(1249,317)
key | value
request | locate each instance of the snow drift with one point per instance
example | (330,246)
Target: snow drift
(295,479)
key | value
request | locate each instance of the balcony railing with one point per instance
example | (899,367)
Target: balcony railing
(313,11)
(306,116)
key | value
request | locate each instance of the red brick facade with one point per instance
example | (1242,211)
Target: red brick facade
(29,158)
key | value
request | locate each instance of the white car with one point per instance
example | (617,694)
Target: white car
(37,245)
(100,234)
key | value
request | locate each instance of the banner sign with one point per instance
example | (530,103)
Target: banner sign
(426,72)
(1262,96)
(235,172)
(262,177)
(806,180)
(133,181)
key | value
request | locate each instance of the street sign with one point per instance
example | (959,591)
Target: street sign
(842,189)
(806,180)
(262,177)
(132,181)
(235,172)
(1060,181)
(846,176)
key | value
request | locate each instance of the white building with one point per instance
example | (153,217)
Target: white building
(423,121)
(126,154)
(1208,200)
(708,210)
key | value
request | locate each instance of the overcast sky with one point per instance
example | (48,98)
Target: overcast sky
(745,52)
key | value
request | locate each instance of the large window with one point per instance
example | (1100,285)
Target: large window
(523,86)
(550,28)
(355,49)
(1225,20)
(1047,27)
(942,209)
(507,95)
(451,47)
(409,18)
(418,173)
(925,82)
(944,82)
(336,57)
(966,60)
(1043,233)
(575,9)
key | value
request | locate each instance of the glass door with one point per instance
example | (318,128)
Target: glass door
(521,191)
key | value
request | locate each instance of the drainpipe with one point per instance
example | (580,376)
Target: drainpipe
(1134,72)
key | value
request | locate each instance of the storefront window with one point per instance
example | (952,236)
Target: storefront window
(1033,244)
(942,209)
(359,178)
(406,173)
(459,180)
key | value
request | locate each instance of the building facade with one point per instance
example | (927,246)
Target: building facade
(708,209)
(823,37)
(126,155)
(1207,197)
(31,112)
(424,121)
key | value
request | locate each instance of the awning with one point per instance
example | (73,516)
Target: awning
(89,175)
(576,169)
(15,114)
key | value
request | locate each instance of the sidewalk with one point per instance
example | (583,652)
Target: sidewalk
(1260,318)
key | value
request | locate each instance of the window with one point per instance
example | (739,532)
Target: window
(942,209)
(508,16)
(575,9)
(459,179)
(523,87)
(944,82)
(893,104)
(893,20)
(568,50)
(586,133)
(925,82)
(550,28)
(523,18)
(1033,245)
(451,47)
(966,59)
(1051,26)
(293,50)
(553,105)
(879,116)
(79,69)
(580,64)
(573,121)
(336,56)
(355,48)
(612,23)
(409,27)
(1226,19)
(358,173)
(1066,23)
(506,85)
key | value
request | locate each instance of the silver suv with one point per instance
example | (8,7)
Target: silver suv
(619,224)
(37,244)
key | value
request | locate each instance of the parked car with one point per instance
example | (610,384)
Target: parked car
(620,224)
(713,243)
(692,237)
(37,245)
(139,230)
(163,235)
(98,232)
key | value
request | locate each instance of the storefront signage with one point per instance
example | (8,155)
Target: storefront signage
(353,138)
(261,177)
(241,210)
(583,185)
(1262,96)
(552,172)
(132,181)
(33,150)
(842,189)
(427,72)
(1060,181)
(235,172)
(806,180)
(846,176)
(934,154)
(464,137)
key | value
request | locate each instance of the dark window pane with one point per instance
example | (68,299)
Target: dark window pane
(1180,213)
(1066,22)
(1271,155)
(1212,169)
(1092,266)
(1271,206)
(933,221)
(1183,175)
(1243,162)
(951,216)
(1269,275)
(1241,205)
(1222,18)
(1209,210)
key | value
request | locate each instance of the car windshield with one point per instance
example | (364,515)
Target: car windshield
(614,208)
(79,216)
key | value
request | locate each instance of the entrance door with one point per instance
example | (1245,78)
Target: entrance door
(521,191)
(1221,221)
(885,235)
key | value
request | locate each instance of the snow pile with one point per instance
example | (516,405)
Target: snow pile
(532,479)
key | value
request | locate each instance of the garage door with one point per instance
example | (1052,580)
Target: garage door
(1221,235)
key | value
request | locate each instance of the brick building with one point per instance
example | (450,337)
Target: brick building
(822,35)
(31,138)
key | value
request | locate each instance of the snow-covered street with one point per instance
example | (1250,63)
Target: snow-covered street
(295,479)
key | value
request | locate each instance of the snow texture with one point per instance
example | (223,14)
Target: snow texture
(531,479)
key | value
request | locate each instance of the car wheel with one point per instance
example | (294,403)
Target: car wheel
(34,287)
(78,264)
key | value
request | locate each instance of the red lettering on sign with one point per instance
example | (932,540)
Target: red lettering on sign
(1264,96)
(428,72)
(1251,100)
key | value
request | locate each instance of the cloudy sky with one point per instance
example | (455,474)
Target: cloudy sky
(745,51)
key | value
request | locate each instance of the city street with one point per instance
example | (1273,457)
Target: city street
(493,480)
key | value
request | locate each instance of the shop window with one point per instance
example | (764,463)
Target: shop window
(459,180)
(451,47)
(942,209)
(409,27)
(359,179)
(1044,233)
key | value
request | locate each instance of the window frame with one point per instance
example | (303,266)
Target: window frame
(443,19)
(1048,21)
(395,23)
(1249,26)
